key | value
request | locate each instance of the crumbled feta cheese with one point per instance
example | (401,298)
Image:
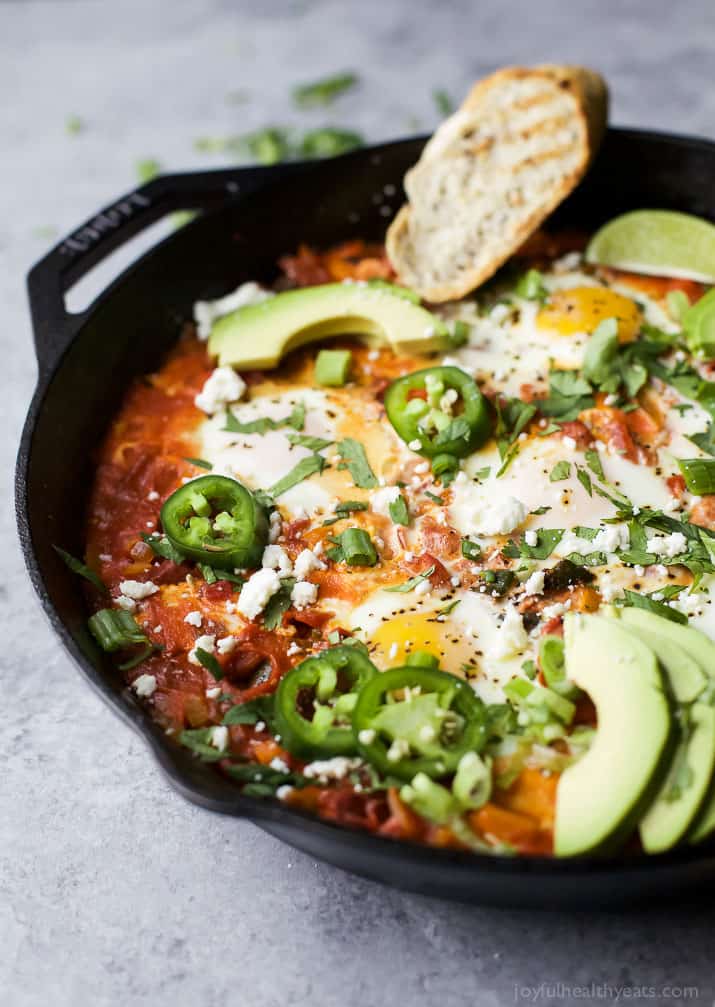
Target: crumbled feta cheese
(152,495)
(610,538)
(214,692)
(531,538)
(424,587)
(280,765)
(303,594)
(415,445)
(687,603)
(306,561)
(367,735)
(511,638)
(535,583)
(501,516)
(551,611)
(144,686)
(257,592)
(569,443)
(137,589)
(284,792)
(222,387)
(226,644)
(294,649)
(206,312)
(206,642)
(274,530)
(668,545)
(194,619)
(126,603)
(219,737)
(422,468)
(276,558)
(336,768)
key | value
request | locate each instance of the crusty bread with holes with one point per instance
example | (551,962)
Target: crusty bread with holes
(492,172)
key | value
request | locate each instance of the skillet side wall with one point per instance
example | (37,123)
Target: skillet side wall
(130,329)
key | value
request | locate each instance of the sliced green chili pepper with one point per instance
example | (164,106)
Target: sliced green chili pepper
(315,699)
(217,521)
(424,410)
(417,720)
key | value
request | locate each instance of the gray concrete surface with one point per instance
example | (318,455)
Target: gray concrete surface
(113,891)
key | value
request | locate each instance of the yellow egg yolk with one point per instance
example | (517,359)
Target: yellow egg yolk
(582,309)
(402,635)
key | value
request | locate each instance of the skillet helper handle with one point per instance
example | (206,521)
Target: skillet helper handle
(53,326)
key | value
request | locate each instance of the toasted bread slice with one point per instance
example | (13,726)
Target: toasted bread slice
(492,172)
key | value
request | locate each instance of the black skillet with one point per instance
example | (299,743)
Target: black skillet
(250,216)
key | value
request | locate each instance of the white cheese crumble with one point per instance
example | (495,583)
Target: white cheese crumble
(144,686)
(500,517)
(280,765)
(257,592)
(306,561)
(668,545)
(303,594)
(381,499)
(137,590)
(214,692)
(511,637)
(531,538)
(219,737)
(223,386)
(336,768)
(126,603)
(610,538)
(276,524)
(206,642)
(206,312)
(194,619)
(276,558)
(226,644)
(535,583)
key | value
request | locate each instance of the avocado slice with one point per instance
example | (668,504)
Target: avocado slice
(684,788)
(600,798)
(700,648)
(259,335)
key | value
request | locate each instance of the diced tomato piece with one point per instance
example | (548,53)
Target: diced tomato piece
(676,485)
(576,430)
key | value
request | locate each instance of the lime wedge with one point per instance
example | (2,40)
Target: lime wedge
(658,243)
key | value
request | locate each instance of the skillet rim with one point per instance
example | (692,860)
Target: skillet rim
(272,815)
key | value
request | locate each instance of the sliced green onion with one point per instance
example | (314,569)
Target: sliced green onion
(357,548)
(78,567)
(445,465)
(471,550)
(114,628)
(422,659)
(699,474)
(332,367)
(429,799)
(531,286)
(472,782)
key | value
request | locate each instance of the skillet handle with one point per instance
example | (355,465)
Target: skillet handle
(47,282)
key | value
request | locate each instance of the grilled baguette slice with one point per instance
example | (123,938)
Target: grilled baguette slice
(492,172)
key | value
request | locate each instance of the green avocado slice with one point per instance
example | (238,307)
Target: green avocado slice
(601,797)
(259,335)
(678,806)
(682,793)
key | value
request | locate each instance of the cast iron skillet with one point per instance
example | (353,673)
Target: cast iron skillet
(249,217)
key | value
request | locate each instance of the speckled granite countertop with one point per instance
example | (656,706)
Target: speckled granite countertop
(113,890)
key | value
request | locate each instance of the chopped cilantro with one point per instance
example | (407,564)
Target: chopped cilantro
(398,511)
(209,662)
(200,463)
(560,471)
(413,582)
(306,467)
(80,568)
(443,102)
(278,604)
(355,460)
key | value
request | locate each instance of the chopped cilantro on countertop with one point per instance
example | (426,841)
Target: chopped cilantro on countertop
(325,91)
(443,102)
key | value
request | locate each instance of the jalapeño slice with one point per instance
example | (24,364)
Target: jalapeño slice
(315,699)
(440,408)
(417,720)
(217,521)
